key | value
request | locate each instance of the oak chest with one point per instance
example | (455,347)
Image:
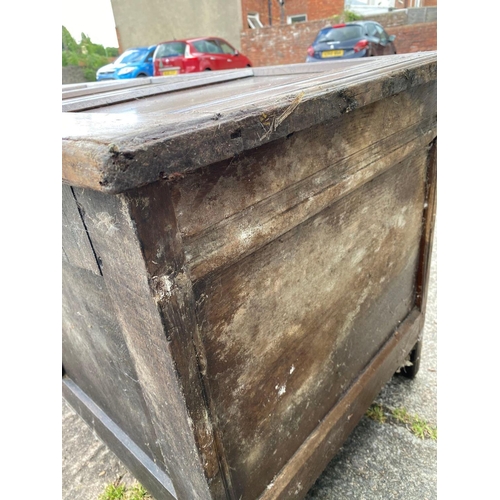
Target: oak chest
(245,262)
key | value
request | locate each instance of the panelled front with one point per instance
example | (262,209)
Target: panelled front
(304,261)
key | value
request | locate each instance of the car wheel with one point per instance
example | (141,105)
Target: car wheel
(207,69)
(141,75)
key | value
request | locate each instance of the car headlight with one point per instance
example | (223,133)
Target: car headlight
(125,71)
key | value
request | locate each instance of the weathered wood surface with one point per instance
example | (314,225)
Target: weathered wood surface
(148,336)
(134,146)
(296,177)
(71,91)
(76,246)
(146,470)
(261,284)
(289,328)
(97,88)
(96,357)
(294,480)
(111,95)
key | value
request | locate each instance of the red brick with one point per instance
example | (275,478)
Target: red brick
(287,44)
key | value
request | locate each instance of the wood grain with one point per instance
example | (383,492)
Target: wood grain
(281,326)
(96,357)
(154,144)
(295,179)
(76,246)
(115,238)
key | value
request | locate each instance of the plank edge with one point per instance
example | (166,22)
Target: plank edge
(156,481)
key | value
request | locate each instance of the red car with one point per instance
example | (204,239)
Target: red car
(196,54)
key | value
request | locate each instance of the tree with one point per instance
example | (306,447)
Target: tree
(90,56)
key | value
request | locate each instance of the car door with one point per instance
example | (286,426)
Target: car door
(385,46)
(374,38)
(148,62)
(216,57)
(231,60)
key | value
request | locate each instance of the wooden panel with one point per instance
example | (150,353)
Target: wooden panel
(283,183)
(112,96)
(134,299)
(248,267)
(428,232)
(153,215)
(96,358)
(288,328)
(295,479)
(76,247)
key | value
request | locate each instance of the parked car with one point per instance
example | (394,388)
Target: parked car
(196,54)
(349,40)
(133,63)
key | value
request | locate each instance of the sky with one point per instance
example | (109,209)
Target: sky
(92,17)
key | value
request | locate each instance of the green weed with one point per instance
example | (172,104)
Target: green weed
(138,492)
(414,423)
(376,412)
(121,492)
(113,492)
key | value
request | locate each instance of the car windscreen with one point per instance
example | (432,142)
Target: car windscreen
(131,56)
(340,34)
(171,49)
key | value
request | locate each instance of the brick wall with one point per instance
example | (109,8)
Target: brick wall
(282,44)
(415,37)
(314,9)
(287,44)
(323,9)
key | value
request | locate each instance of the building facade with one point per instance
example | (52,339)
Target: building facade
(260,13)
(147,22)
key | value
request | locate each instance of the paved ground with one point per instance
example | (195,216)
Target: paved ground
(380,461)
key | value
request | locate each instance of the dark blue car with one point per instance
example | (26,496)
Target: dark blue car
(349,40)
(133,63)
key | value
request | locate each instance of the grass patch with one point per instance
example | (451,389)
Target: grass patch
(417,425)
(376,412)
(117,491)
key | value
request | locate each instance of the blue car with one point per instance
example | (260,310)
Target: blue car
(133,63)
(350,40)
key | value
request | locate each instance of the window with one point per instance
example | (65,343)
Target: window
(299,18)
(131,56)
(171,49)
(207,47)
(371,30)
(226,48)
(254,21)
(149,57)
(340,34)
(381,33)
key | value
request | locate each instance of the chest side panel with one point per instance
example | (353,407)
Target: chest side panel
(304,255)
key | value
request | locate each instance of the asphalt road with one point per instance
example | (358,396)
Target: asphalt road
(380,460)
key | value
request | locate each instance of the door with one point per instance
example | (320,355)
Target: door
(214,54)
(231,58)
(375,48)
(385,46)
